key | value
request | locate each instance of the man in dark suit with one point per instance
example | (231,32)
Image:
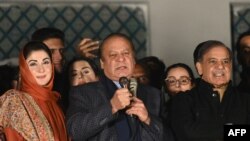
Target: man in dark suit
(201,113)
(104,111)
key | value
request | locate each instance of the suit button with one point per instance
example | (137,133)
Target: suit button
(214,95)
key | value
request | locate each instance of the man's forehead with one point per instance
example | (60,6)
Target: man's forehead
(117,41)
(54,43)
(245,40)
(118,49)
(217,52)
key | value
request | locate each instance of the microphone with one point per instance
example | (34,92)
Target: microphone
(133,89)
(124,82)
(132,120)
(133,86)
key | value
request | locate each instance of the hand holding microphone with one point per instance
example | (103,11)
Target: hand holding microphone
(126,97)
(137,107)
(122,97)
(133,86)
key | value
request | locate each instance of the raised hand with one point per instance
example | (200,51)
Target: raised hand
(88,48)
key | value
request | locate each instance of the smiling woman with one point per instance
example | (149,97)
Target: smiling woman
(35,105)
(40,66)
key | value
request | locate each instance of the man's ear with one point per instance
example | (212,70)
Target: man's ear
(198,66)
(101,62)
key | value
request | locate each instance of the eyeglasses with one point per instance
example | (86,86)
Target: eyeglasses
(171,81)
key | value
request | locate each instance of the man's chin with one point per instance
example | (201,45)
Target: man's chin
(222,85)
(124,75)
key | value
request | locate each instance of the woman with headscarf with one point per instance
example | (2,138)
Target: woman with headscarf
(32,113)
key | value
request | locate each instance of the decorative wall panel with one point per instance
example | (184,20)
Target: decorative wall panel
(18,20)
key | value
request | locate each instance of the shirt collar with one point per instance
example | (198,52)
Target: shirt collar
(117,84)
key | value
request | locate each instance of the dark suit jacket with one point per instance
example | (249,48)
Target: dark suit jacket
(199,115)
(89,116)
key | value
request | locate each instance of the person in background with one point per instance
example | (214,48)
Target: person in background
(33,113)
(106,110)
(141,73)
(179,77)
(82,70)
(156,69)
(88,48)
(202,112)
(243,56)
(54,38)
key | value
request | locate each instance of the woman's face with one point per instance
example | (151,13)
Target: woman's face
(178,80)
(40,66)
(81,72)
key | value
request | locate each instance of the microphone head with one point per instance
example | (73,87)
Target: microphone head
(133,86)
(124,82)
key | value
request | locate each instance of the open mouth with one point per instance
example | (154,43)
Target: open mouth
(218,74)
(121,68)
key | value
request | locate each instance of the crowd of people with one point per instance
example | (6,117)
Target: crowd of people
(105,94)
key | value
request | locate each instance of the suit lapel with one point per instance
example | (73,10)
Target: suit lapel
(109,86)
